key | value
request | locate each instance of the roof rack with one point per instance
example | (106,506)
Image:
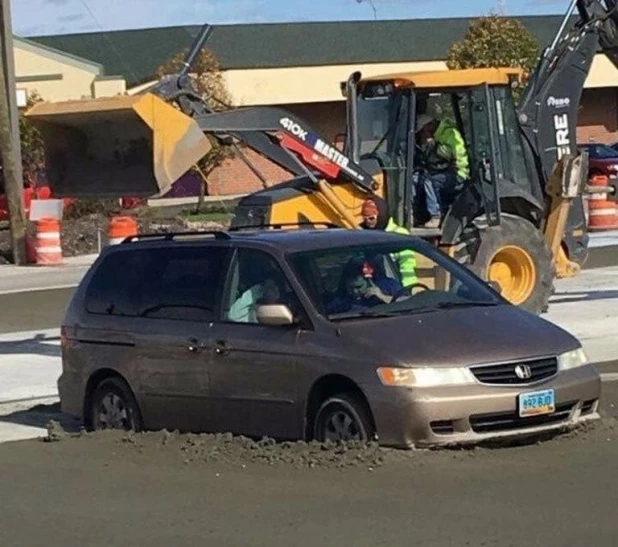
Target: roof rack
(280,225)
(169,236)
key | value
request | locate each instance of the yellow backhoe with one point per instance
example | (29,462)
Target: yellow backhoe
(519,220)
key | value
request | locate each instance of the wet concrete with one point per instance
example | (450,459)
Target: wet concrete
(33,310)
(602,257)
(162,489)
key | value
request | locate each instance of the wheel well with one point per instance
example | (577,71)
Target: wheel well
(94,380)
(521,208)
(325,387)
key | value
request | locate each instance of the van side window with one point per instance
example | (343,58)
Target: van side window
(255,278)
(178,283)
(115,286)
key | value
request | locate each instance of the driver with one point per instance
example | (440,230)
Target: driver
(358,290)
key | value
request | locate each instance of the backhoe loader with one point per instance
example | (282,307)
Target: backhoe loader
(518,222)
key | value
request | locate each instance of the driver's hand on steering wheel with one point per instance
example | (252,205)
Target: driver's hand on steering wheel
(374,290)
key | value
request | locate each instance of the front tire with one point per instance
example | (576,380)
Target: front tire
(343,417)
(515,255)
(113,406)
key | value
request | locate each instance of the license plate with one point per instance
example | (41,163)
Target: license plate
(537,403)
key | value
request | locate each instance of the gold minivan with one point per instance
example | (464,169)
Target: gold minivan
(311,334)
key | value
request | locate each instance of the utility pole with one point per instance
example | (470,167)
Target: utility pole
(10,149)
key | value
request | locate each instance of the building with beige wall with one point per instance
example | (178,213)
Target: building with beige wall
(57,75)
(297,66)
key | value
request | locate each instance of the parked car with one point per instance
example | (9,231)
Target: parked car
(603,159)
(309,334)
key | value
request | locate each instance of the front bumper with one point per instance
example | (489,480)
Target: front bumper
(461,415)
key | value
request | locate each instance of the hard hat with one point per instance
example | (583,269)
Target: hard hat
(369,208)
(422,121)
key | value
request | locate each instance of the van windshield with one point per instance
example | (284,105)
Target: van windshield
(387,279)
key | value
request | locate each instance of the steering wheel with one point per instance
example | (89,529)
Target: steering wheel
(408,289)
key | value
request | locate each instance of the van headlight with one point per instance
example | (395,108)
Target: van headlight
(425,377)
(572,359)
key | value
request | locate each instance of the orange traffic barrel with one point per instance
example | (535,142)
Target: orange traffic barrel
(602,213)
(121,227)
(48,249)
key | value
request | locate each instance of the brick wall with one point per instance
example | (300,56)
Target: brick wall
(598,116)
(235,177)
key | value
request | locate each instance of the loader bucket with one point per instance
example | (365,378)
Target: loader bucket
(116,147)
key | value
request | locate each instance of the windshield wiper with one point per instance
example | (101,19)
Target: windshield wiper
(467,304)
(362,315)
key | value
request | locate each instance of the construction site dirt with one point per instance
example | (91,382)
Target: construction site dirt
(164,488)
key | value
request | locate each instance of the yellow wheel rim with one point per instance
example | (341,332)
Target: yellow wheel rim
(513,268)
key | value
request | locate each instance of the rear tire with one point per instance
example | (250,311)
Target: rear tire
(113,406)
(514,254)
(343,417)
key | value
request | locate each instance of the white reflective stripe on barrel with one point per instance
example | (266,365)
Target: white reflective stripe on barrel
(48,235)
(55,250)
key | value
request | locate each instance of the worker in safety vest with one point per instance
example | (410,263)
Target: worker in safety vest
(446,168)
(376,217)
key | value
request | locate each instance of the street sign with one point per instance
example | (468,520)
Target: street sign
(22,98)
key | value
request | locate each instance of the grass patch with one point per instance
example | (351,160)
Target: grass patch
(206,217)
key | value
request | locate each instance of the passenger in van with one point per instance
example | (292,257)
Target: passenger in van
(445,168)
(244,309)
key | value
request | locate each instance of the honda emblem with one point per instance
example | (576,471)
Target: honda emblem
(523,372)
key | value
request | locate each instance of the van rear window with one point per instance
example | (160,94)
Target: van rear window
(161,283)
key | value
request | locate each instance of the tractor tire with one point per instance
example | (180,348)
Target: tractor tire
(515,255)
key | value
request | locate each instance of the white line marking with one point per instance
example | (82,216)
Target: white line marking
(38,289)
(609,377)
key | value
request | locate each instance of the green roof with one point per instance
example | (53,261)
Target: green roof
(136,54)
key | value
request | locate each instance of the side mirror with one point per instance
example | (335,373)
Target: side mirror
(495,286)
(274,315)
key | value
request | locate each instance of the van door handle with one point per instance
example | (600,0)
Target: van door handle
(194,345)
(221,348)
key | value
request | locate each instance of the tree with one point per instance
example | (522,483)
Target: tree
(208,82)
(32,151)
(495,41)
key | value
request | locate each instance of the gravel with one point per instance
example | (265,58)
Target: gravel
(237,451)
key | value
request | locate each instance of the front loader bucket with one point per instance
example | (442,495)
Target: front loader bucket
(116,147)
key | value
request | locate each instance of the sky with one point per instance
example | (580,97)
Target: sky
(44,17)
